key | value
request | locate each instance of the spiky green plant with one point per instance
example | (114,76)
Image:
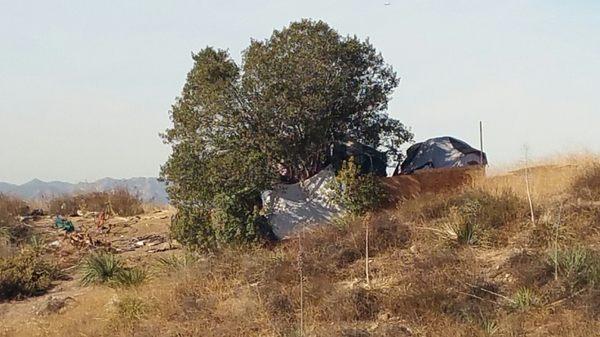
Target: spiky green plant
(467,234)
(130,277)
(524,298)
(36,244)
(489,327)
(580,266)
(100,267)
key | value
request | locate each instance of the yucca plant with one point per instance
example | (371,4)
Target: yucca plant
(524,298)
(100,267)
(130,277)
(489,327)
(466,234)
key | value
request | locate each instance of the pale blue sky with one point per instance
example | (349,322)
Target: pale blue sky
(85,86)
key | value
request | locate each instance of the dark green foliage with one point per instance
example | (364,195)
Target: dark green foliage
(26,274)
(357,193)
(236,128)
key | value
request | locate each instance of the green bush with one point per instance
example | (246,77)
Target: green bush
(357,193)
(26,274)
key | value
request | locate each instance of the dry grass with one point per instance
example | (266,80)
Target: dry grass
(120,201)
(424,282)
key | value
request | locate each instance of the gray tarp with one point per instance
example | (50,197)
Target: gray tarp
(440,152)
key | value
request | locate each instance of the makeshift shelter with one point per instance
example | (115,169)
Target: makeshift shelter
(441,152)
(291,206)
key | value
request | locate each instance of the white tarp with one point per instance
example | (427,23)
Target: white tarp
(307,203)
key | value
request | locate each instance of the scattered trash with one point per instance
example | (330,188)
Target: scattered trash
(64,224)
(55,244)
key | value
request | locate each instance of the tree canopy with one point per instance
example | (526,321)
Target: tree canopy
(236,126)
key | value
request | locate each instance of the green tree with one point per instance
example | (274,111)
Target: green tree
(235,127)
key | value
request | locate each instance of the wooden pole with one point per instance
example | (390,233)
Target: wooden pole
(481,142)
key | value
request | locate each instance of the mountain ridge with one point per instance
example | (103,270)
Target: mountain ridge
(150,189)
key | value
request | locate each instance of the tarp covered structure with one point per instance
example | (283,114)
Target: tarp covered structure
(440,152)
(369,159)
(292,206)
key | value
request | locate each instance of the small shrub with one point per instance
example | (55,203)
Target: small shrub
(26,274)
(131,308)
(365,303)
(579,266)
(355,192)
(524,298)
(587,185)
(10,228)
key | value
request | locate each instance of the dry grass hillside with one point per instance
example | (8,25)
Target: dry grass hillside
(468,262)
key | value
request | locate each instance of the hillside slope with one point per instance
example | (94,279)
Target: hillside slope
(463,263)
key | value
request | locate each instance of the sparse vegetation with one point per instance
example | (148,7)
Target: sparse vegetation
(131,308)
(587,184)
(579,266)
(420,285)
(120,201)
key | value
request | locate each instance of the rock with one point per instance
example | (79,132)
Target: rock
(53,305)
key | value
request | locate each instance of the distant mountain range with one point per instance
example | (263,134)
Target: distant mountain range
(149,189)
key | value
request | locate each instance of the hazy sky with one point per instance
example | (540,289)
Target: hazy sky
(85,86)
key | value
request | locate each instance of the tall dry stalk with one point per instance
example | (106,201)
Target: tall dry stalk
(367,275)
(528,187)
(300,271)
(557,228)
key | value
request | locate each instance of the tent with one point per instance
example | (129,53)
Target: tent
(439,153)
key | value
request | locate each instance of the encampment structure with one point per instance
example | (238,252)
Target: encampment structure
(440,152)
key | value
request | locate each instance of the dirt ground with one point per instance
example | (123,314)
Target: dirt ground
(136,240)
